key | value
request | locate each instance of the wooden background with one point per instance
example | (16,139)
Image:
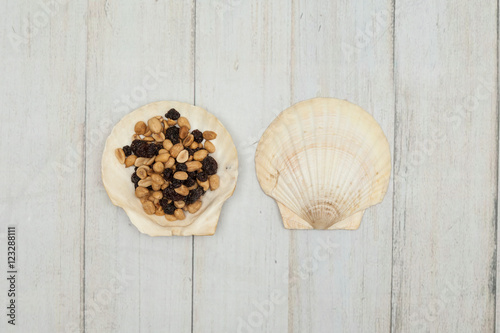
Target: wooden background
(423,260)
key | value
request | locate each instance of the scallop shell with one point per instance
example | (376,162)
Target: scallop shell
(116,178)
(324,161)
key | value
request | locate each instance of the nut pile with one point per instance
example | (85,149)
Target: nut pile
(173,167)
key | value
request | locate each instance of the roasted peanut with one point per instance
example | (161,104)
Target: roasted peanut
(148,132)
(183,132)
(156,178)
(182,190)
(140,161)
(170,163)
(209,135)
(162,157)
(183,156)
(193,166)
(145,182)
(179,213)
(205,184)
(200,155)
(150,161)
(167,144)
(156,187)
(171,122)
(179,204)
(142,171)
(194,207)
(130,160)
(181,175)
(209,146)
(194,145)
(155,125)
(141,192)
(158,195)
(188,140)
(120,155)
(176,149)
(148,139)
(140,128)
(170,218)
(149,207)
(214,182)
(158,167)
(159,137)
(183,122)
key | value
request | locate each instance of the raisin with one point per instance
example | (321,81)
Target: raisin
(194,195)
(181,167)
(127,150)
(210,165)
(190,151)
(150,188)
(176,183)
(189,182)
(170,194)
(202,176)
(172,114)
(198,136)
(136,144)
(168,208)
(135,179)
(168,174)
(172,133)
(192,174)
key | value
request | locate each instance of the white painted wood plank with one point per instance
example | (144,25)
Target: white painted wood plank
(343,49)
(137,53)
(446,156)
(242,76)
(43,110)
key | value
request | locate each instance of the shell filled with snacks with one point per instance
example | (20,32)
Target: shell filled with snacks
(170,166)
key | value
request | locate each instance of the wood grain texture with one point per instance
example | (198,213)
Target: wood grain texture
(444,268)
(346,288)
(137,53)
(43,107)
(242,76)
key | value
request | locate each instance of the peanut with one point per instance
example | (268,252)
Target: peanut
(156,178)
(188,140)
(194,145)
(150,161)
(170,218)
(183,156)
(179,213)
(159,137)
(183,132)
(142,171)
(205,184)
(140,161)
(200,155)
(145,182)
(148,139)
(155,125)
(162,157)
(182,121)
(171,122)
(140,128)
(158,195)
(167,144)
(194,207)
(158,167)
(193,166)
(141,192)
(176,149)
(156,187)
(181,175)
(209,146)
(120,155)
(214,182)
(149,207)
(209,135)
(182,190)
(170,163)
(130,160)
(179,204)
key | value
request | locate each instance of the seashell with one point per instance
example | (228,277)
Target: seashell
(116,178)
(324,161)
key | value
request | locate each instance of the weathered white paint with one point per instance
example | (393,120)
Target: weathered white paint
(444,267)
(42,85)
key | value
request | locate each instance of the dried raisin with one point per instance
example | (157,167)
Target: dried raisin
(210,165)
(172,114)
(198,135)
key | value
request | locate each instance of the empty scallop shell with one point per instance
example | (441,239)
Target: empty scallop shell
(324,161)
(116,178)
